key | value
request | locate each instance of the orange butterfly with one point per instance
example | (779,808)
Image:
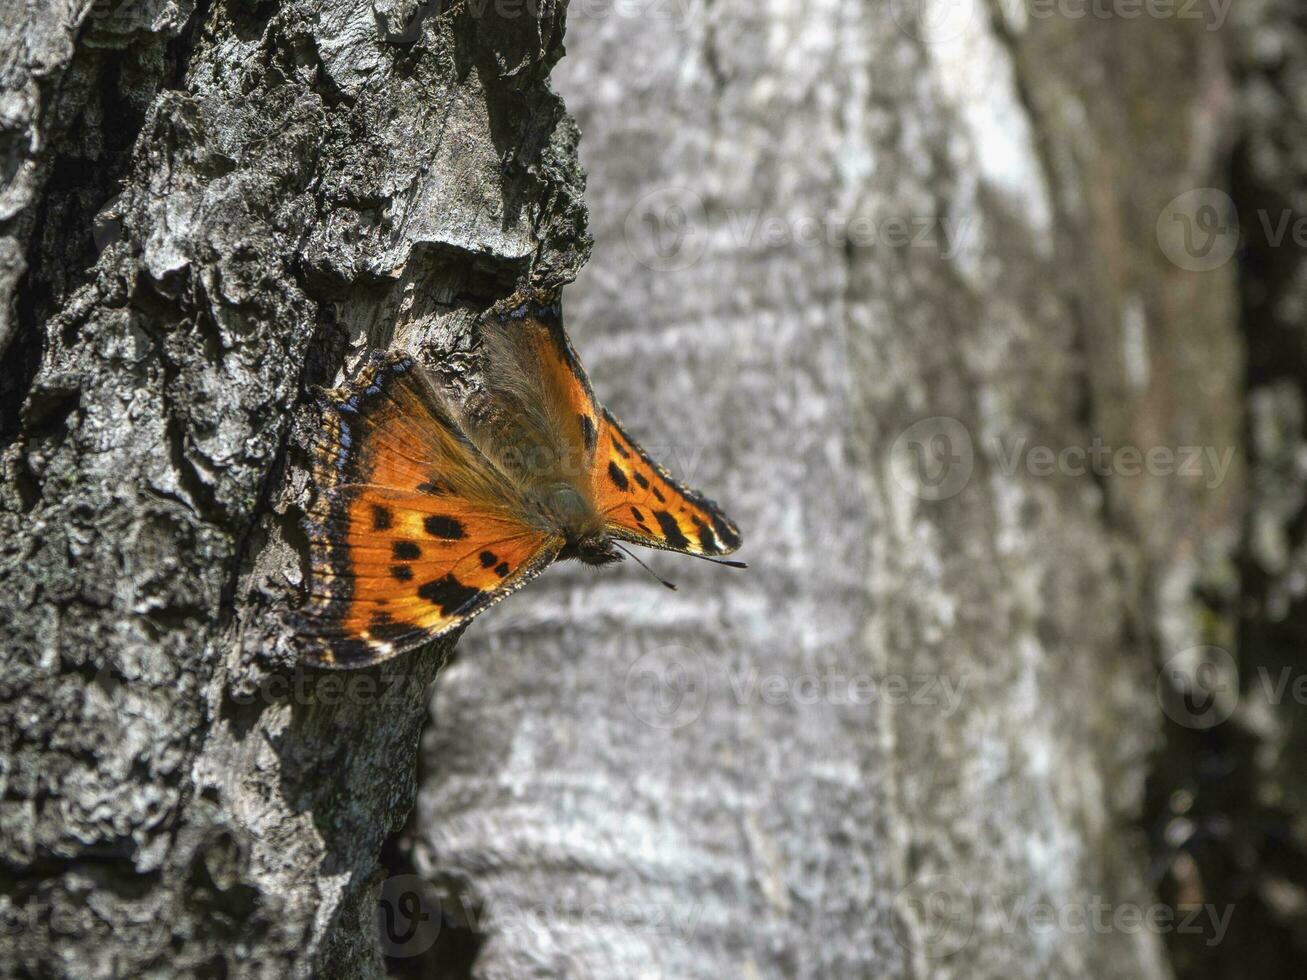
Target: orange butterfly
(428,511)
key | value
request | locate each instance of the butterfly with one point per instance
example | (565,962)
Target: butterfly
(429,509)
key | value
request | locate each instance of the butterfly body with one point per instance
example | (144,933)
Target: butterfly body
(429,510)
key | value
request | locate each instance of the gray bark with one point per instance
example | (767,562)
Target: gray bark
(577,825)
(269,188)
(925,712)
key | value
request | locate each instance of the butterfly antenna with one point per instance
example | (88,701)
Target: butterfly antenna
(633,555)
(721,561)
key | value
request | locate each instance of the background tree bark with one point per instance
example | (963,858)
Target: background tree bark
(576,824)
(854,261)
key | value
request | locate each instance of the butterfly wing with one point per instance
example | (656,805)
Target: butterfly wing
(546,426)
(642,504)
(535,365)
(413,532)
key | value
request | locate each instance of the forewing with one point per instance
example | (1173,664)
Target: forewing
(546,427)
(413,532)
(641,503)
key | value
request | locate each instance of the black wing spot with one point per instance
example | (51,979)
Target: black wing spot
(381,518)
(706,537)
(382,628)
(588,434)
(639,478)
(440,526)
(435,488)
(659,495)
(645,528)
(671,530)
(501,569)
(617,476)
(620,450)
(405,550)
(448,593)
(488,558)
(639,517)
(401,573)
(725,532)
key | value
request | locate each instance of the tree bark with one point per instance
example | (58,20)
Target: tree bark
(858,265)
(207,210)
(829,235)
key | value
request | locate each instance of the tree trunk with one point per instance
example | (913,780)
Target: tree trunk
(904,285)
(207,210)
(830,237)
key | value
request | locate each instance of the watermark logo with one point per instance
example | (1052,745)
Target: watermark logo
(753,229)
(1208,464)
(667,229)
(942,693)
(933,21)
(933,459)
(1199,687)
(667,688)
(610,912)
(1199,230)
(934,915)
(679,14)
(408,916)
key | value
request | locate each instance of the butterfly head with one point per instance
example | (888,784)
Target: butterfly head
(593,550)
(565,511)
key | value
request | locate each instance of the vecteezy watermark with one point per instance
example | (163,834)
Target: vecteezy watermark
(408,916)
(933,459)
(1199,687)
(1201,230)
(392,688)
(668,229)
(1286,685)
(1210,464)
(751,686)
(675,922)
(756,228)
(680,14)
(944,21)
(936,916)
(528,460)
(1211,12)
(936,21)
(669,687)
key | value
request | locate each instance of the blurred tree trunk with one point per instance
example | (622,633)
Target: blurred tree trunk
(853,264)
(206,209)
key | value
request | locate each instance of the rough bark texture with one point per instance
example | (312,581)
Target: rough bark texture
(213,208)
(852,266)
(614,787)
